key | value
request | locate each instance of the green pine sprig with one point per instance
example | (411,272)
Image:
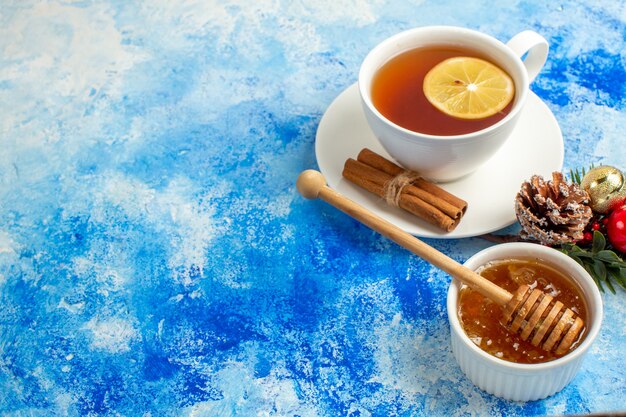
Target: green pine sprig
(577,175)
(603,264)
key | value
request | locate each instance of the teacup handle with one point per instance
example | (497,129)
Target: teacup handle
(536,48)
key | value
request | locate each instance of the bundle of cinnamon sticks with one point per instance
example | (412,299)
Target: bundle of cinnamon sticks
(405,189)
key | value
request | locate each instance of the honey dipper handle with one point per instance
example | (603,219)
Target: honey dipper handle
(311,184)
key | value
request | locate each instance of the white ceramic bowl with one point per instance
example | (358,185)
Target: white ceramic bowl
(523,382)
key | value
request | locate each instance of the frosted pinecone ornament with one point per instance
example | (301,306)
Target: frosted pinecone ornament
(552,212)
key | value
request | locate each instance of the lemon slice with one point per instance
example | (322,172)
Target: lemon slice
(468,88)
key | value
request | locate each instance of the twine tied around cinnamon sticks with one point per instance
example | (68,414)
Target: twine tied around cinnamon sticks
(405,189)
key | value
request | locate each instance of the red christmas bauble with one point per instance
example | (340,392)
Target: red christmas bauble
(616,228)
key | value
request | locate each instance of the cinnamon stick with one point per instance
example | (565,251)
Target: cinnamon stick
(439,192)
(439,195)
(353,172)
(418,196)
(374,181)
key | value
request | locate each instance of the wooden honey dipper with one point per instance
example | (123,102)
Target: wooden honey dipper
(528,312)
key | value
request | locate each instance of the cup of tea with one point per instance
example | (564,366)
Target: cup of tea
(417,135)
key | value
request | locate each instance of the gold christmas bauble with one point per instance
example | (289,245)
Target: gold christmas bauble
(606,187)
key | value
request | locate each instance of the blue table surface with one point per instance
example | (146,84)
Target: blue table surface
(155,257)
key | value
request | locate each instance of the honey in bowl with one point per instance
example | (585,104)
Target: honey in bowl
(398,94)
(480,317)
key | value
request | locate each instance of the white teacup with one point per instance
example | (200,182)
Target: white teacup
(446,158)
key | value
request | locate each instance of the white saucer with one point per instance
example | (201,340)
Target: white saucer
(535,147)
